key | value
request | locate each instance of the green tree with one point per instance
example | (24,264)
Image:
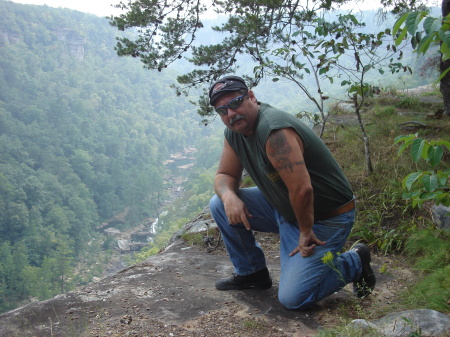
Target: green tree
(7,276)
(251,29)
(62,258)
(435,31)
(284,39)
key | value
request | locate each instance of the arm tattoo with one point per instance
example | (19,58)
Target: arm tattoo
(280,150)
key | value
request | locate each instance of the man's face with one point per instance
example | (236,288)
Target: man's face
(243,118)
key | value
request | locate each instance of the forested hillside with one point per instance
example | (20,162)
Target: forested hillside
(83,135)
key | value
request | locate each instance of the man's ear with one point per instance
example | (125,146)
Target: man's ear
(251,96)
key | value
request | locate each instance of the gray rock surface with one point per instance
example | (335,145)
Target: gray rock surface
(419,322)
(173,294)
(441,216)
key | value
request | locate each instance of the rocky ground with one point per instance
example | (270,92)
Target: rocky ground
(173,294)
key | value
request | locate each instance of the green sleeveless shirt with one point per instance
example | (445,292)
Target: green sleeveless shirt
(331,187)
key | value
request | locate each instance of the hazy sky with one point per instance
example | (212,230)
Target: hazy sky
(97,7)
(104,8)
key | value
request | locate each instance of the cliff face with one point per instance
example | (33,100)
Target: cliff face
(8,37)
(173,294)
(75,42)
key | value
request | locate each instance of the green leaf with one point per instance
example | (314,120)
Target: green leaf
(443,181)
(424,44)
(398,23)
(345,42)
(416,149)
(414,42)
(435,155)
(445,50)
(402,148)
(404,138)
(418,36)
(401,37)
(409,180)
(431,25)
(416,202)
(430,182)
(443,74)
(406,196)
(444,36)
(445,143)
(427,196)
(412,21)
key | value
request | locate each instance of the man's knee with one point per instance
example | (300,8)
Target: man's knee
(215,203)
(296,301)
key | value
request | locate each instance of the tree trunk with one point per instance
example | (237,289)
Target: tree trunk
(357,106)
(445,81)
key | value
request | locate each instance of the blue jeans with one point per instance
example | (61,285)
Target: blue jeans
(303,281)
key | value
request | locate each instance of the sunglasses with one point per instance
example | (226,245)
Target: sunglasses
(233,105)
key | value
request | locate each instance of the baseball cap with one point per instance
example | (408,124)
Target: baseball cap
(225,85)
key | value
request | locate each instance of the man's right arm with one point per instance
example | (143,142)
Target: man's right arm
(226,185)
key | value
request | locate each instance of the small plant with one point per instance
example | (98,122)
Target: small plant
(385,222)
(430,185)
(193,239)
(407,102)
(384,111)
(252,324)
(328,259)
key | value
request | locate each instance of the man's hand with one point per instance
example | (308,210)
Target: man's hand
(306,244)
(236,211)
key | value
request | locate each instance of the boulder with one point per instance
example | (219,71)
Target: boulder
(441,216)
(419,322)
(123,245)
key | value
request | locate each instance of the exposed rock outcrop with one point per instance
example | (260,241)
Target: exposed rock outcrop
(8,37)
(173,294)
(74,40)
(441,216)
(420,322)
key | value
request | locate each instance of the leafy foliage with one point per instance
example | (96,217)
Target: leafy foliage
(302,43)
(427,185)
(435,31)
(83,135)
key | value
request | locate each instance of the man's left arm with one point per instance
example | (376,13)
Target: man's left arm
(284,149)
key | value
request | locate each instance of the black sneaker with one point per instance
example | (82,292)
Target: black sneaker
(366,282)
(260,280)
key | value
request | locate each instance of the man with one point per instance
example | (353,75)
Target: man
(301,193)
